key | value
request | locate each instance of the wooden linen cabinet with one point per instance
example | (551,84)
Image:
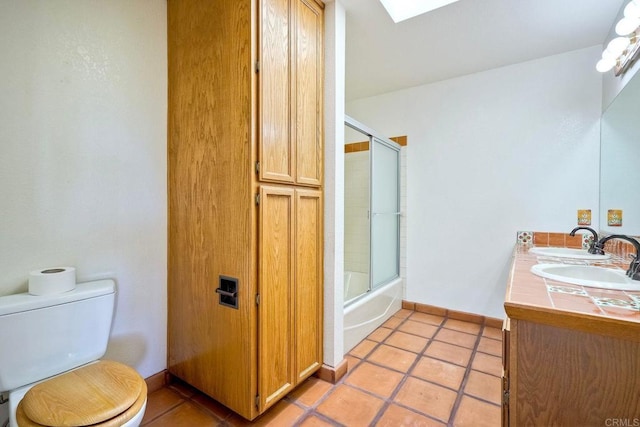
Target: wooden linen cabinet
(245,197)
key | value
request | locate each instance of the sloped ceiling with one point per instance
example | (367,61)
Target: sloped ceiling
(462,38)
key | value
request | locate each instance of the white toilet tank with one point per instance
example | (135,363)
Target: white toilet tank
(42,336)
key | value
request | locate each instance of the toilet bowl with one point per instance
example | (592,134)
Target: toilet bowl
(57,379)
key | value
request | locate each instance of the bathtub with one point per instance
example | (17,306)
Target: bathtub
(366,314)
(355,284)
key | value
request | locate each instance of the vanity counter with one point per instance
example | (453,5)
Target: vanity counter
(545,301)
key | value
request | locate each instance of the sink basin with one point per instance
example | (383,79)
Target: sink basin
(568,253)
(587,275)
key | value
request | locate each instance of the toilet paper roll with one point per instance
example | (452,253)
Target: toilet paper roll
(50,281)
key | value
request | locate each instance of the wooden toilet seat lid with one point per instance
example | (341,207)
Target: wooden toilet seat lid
(105,394)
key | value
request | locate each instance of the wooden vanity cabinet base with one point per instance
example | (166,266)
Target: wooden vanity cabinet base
(564,377)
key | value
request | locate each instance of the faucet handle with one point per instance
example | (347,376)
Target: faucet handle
(634,269)
(596,248)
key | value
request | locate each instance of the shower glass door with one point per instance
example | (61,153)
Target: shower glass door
(385,212)
(371,211)
(357,253)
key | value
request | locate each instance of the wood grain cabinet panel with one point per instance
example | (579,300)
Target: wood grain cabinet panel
(290,288)
(308,283)
(245,87)
(291,110)
(209,201)
(277,151)
(276,277)
(566,377)
(308,54)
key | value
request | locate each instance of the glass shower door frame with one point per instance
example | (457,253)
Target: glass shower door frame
(373,141)
(376,138)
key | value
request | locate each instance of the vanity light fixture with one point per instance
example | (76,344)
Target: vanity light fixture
(622,51)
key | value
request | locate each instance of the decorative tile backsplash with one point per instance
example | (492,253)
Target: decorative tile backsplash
(540,238)
(525,238)
(614,218)
(615,302)
(626,301)
(584,216)
(616,247)
(567,290)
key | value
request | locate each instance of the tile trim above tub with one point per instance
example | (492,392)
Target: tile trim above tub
(355,147)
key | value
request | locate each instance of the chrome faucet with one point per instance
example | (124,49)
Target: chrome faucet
(591,249)
(634,268)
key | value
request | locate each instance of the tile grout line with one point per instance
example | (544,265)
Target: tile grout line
(420,355)
(221,421)
(183,399)
(465,378)
(308,412)
(313,408)
(390,400)
(363,360)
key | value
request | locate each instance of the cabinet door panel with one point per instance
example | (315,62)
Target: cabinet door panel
(276,150)
(308,282)
(275,277)
(307,86)
(210,210)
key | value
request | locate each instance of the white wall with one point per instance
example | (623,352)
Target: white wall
(83,156)
(334,27)
(514,148)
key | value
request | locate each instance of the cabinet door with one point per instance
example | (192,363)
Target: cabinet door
(291,92)
(275,277)
(276,151)
(308,282)
(307,52)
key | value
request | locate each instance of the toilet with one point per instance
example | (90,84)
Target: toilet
(53,373)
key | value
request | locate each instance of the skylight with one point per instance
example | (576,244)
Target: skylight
(400,10)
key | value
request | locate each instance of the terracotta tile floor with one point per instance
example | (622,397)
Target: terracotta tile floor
(415,370)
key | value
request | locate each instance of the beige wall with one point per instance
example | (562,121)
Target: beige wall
(83,156)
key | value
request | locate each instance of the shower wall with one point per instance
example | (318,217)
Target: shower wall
(356,211)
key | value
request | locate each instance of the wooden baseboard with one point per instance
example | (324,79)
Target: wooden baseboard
(331,374)
(453,314)
(327,373)
(493,322)
(431,309)
(156,381)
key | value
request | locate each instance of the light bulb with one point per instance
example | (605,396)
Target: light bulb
(605,65)
(608,54)
(632,10)
(627,26)
(618,45)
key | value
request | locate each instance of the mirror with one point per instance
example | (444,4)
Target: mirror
(620,163)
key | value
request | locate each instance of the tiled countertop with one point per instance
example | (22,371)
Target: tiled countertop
(603,311)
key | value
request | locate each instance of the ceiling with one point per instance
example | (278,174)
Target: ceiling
(462,38)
